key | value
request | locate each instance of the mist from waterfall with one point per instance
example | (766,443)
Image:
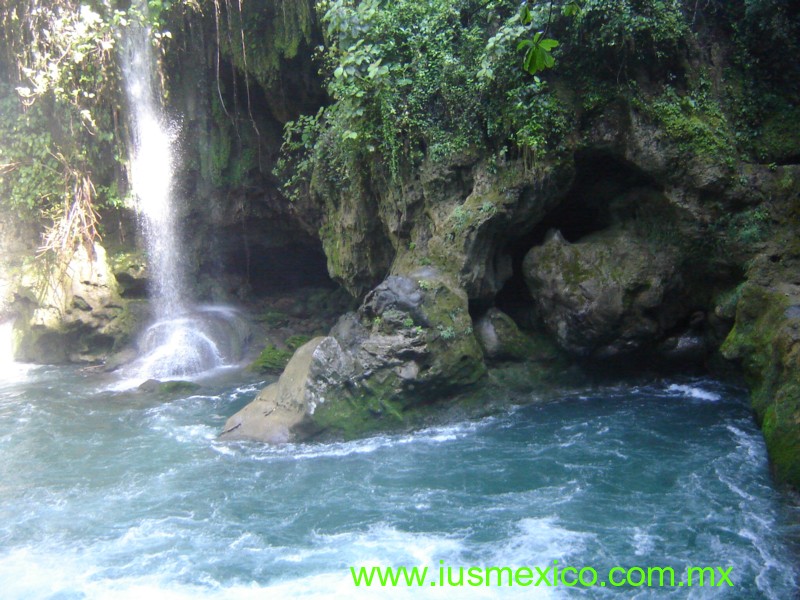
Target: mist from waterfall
(184,340)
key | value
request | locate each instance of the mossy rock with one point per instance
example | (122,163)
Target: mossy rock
(501,339)
(293,342)
(766,341)
(271,360)
(168,388)
(776,141)
(273,318)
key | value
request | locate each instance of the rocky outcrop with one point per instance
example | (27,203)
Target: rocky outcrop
(766,337)
(288,405)
(501,339)
(607,295)
(70,310)
(410,343)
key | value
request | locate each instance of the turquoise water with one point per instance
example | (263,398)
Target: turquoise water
(105,495)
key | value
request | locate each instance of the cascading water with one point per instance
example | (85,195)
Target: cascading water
(184,340)
(152,166)
(10,370)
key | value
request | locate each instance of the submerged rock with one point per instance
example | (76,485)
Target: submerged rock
(168,388)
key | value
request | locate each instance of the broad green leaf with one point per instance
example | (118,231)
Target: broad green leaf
(548,44)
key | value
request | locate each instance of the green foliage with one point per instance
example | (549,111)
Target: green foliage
(727,302)
(417,80)
(694,119)
(293,342)
(259,34)
(62,155)
(632,30)
(271,360)
(296,162)
(446,333)
(488,208)
(748,227)
(29,173)
(273,318)
(461,218)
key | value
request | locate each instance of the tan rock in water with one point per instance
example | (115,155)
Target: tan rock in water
(286,405)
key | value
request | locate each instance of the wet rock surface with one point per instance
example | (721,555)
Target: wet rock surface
(606,295)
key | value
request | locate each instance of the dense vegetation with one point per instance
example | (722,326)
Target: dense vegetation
(412,80)
(63,155)
(402,82)
(406,81)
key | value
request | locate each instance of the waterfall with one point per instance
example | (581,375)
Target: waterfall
(184,340)
(10,370)
(152,167)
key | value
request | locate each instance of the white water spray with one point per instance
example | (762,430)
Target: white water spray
(10,370)
(6,345)
(184,341)
(151,172)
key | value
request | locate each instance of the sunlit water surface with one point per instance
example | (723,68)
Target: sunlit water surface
(106,495)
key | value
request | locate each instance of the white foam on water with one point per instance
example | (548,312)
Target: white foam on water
(643,542)
(753,445)
(179,349)
(196,345)
(537,542)
(33,574)
(310,451)
(697,393)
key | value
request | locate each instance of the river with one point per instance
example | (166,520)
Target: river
(119,495)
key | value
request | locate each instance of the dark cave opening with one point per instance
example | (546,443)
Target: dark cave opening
(588,207)
(598,198)
(275,267)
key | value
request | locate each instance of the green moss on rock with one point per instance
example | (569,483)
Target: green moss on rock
(271,360)
(766,340)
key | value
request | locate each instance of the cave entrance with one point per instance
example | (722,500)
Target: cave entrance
(601,195)
(275,264)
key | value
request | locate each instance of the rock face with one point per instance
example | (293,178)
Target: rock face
(606,295)
(70,311)
(766,342)
(289,404)
(410,343)
(500,338)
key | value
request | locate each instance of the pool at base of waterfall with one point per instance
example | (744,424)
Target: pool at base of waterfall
(107,495)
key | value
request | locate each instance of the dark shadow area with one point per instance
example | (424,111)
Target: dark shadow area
(271,266)
(588,207)
(600,178)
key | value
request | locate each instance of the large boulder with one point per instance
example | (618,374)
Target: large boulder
(409,344)
(286,408)
(608,294)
